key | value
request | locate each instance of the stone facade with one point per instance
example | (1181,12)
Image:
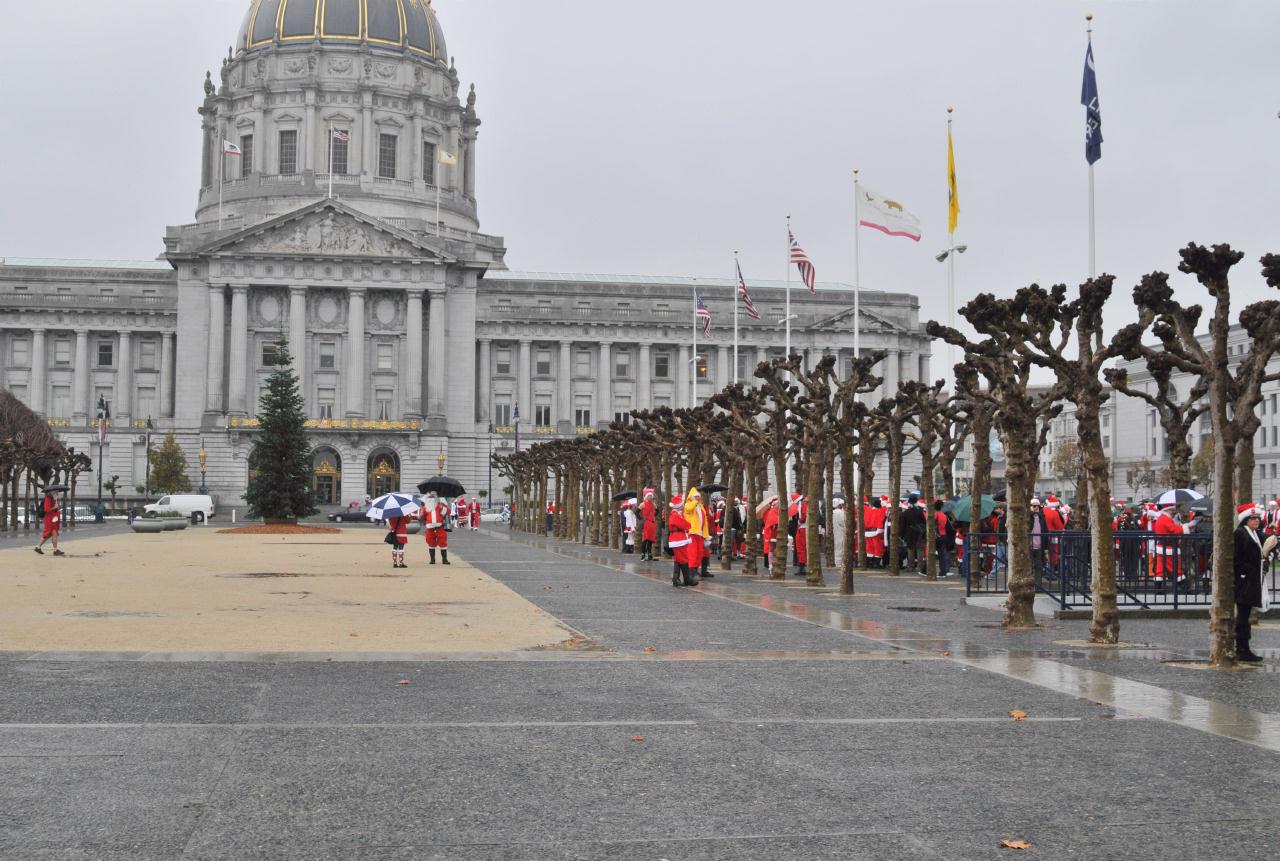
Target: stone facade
(413,343)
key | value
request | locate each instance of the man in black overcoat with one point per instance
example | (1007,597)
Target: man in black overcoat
(1248,577)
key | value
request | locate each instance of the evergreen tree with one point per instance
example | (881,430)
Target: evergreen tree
(169,468)
(280,463)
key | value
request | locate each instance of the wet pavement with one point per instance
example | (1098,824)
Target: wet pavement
(744,719)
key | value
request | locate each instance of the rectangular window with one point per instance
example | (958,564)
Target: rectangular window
(582,364)
(106,354)
(702,367)
(20,351)
(662,366)
(147,354)
(662,401)
(62,351)
(542,415)
(622,365)
(503,365)
(146,401)
(502,414)
(1106,423)
(1273,436)
(384,357)
(328,354)
(1106,442)
(61,402)
(428,162)
(387,156)
(1272,400)
(288,152)
(543,363)
(269,355)
(338,154)
(246,155)
(382,399)
(582,418)
(324,401)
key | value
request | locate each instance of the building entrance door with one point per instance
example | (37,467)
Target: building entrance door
(384,472)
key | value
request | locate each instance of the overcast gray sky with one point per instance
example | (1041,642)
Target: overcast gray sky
(657,137)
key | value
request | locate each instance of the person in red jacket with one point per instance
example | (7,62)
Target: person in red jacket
(874,515)
(769,531)
(433,516)
(399,527)
(1053,522)
(648,525)
(475,514)
(1168,551)
(680,542)
(52,523)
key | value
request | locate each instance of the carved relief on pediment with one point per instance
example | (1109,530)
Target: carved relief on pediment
(329,233)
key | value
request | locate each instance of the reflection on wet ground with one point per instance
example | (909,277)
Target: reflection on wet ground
(1040,668)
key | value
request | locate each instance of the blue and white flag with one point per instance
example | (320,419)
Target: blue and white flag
(1092,112)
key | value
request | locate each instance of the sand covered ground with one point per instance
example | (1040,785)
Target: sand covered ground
(201,591)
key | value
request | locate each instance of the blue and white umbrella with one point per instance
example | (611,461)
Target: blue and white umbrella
(393,505)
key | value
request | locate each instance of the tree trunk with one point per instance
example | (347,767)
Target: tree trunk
(1020,477)
(1244,467)
(1222,646)
(727,534)
(851,523)
(1179,461)
(828,504)
(930,516)
(894,514)
(778,570)
(981,478)
(751,526)
(866,479)
(813,532)
(1105,627)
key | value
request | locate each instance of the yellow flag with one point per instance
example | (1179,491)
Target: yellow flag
(448,158)
(953,196)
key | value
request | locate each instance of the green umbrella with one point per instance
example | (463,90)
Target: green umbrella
(960,510)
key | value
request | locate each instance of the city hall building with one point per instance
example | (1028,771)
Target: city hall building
(348,223)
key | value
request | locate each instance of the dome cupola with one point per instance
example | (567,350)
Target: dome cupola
(395,25)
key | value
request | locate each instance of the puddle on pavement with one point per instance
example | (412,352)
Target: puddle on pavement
(264,575)
(112,614)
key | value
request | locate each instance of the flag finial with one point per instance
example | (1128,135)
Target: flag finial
(1088,16)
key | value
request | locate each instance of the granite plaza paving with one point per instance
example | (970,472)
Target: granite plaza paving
(741,720)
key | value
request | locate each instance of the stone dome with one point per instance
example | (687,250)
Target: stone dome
(396,25)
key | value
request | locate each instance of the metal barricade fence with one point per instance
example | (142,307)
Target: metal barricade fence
(1152,570)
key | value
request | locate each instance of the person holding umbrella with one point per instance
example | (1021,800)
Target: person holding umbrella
(52,522)
(396,509)
(434,515)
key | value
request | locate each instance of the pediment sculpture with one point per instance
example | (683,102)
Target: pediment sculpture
(330,233)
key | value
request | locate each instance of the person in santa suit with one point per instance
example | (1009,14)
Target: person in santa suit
(629,524)
(1168,551)
(699,532)
(475,514)
(769,526)
(433,515)
(680,542)
(798,514)
(399,527)
(886,528)
(648,525)
(873,520)
(1053,522)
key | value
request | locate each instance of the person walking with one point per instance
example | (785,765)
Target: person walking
(649,525)
(680,542)
(434,517)
(475,514)
(769,531)
(1249,553)
(52,514)
(398,537)
(628,526)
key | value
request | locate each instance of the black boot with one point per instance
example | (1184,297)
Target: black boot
(432,552)
(675,577)
(444,556)
(706,569)
(689,578)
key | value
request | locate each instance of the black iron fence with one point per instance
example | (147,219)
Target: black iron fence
(1152,570)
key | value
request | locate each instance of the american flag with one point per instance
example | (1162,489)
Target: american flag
(701,312)
(340,135)
(803,263)
(745,296)
(104,419)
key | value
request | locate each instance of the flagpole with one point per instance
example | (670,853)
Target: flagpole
(1093,269)
(438,203)
(857,316)
(331,162)
(951,278)
(693,392)
(736,299)
(222,160)
(787,312)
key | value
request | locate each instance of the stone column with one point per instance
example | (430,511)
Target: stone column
(80,383)
(353,374)
(524,378)
(415,148)
(891,374)
(307,156)
(217,339)
(564,389)
(39,370)
(484,376)
(469,169)
(123,409)
(604,383)
(413,337)
(723,355)
(644,380)
(239,353)
(166,375)
(298,337)
(436,359)
(682,377)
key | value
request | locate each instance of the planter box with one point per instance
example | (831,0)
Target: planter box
(173,524)
(148,526)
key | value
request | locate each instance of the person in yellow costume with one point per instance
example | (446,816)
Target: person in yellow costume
(699,530)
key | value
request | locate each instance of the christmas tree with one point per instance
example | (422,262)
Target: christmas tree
(280,463)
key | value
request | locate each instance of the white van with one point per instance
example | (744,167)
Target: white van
(190,505)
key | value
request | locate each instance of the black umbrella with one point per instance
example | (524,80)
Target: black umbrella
(442,485)
(1204,505)
(1002,496)
(624,494)
(707,489)
(57,488)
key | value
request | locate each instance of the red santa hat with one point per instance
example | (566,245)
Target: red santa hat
(1244,512)
(677,501)
(1051,501)
(648,491)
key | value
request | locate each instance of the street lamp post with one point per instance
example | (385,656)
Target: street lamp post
(104,415)
(204,462)
(146,491)
(491,463)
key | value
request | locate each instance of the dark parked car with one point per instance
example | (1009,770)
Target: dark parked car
(350,515)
